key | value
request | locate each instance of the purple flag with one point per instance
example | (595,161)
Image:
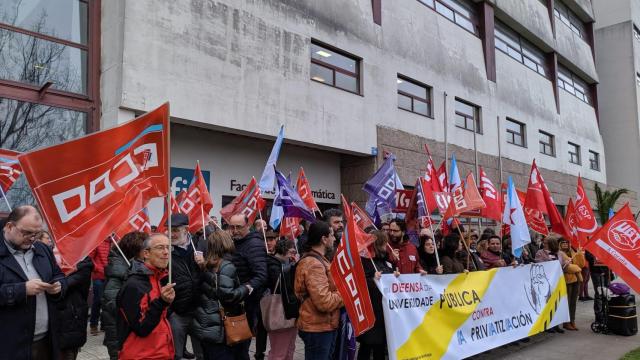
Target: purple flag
(290,201)
(382,187)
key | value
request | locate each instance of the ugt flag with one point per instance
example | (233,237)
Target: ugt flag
(617,244)
(514,217)
(348,275)
(88,187)
(290,201)
(9,169)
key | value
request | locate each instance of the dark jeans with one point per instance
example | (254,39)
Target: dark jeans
(318,346)
(572,297)
(584,289)
(41,349)
(180,328)
(211,351)
(261,338)
(365,351)
(98,287)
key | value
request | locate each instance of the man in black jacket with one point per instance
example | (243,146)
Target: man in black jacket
(30,283)
(186,275)
(250,260)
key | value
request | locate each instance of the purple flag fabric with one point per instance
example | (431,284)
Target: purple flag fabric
(290,201)
(382,188)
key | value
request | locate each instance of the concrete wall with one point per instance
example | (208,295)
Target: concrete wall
(243,68)
(611,12)
(618,97)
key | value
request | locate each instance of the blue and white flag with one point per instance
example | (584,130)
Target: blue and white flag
(268,178)
(454,176)
(611,213)
(514,217)
(290,201)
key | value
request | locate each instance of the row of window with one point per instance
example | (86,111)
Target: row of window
(461,12)
(569,18)
(517,135)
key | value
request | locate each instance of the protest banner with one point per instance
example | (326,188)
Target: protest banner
(460,315)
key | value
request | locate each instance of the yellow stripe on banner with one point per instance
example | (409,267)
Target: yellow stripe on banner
(551,308)
(430,340)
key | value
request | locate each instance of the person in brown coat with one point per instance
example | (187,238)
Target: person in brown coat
(318,295)
(572,264)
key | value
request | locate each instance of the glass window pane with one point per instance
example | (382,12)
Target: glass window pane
(465,109)
(35,61)
(411,88)
(515,53)
(63,19)
(501,45)
(458,7)
(427,2)
(514,127)
(35,126)
(346,82)
(331,57)
(421,107)
(445,11)
(322,74)
(465,23)
(404,102)
(530,64)
(461,121)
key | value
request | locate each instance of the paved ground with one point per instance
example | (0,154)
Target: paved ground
(582,344)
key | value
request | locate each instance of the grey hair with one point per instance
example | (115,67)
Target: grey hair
(146,244)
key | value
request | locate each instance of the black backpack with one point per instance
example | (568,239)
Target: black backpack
(290,302)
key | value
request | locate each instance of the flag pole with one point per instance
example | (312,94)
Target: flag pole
(204,226)
(295,240)
(466,247)
(446,151)
(119,250)
(434,241)
(4,196)
(169,189)
(500,171)
(264,234)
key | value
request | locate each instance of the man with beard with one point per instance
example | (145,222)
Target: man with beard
(405,255)
(186,275)
(334,218)
(250,260)
(492,258)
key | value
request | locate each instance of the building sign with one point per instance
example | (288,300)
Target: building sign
(181,179)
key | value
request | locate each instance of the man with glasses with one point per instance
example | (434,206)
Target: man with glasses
(250,260)
(30,283)
(186,274)
(143,328)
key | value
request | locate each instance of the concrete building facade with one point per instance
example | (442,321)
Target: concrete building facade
(523,71)
(618,61)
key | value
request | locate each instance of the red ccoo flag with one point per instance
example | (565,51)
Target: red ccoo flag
(465,200)
(249,202)
(491,198)
(290,227)
(617,244)
(88,187)
(557,222)
(361,217)
(10,169)
(348,275)
(443,181)
(534,204)
(138,222)
(304,190)
(197,202)
(175,208)
(571,221)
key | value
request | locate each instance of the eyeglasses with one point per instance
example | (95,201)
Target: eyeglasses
(29,234)
(161,247)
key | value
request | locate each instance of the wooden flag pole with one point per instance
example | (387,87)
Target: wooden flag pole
(120,250)
(169,193)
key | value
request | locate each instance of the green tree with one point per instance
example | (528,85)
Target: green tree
(606,200)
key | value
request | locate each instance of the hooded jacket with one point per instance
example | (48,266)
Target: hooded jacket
(143,327)
(115,275)
(250,260)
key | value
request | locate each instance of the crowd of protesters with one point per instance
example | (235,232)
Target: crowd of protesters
(228,275)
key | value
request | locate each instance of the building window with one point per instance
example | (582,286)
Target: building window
(574,153)
(468,116)
(594,160)
(573,84)
(636,33)
(335,68)
(512,44)
(638,79)
(413,96)
(570,19)
(461,12)
(516,134)
(547,144)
